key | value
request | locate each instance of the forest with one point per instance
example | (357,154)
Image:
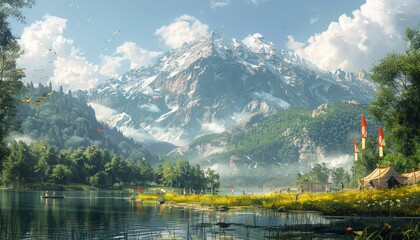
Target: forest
(39,164)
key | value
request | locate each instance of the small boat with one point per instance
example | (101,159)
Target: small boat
(52,196)
(223,224)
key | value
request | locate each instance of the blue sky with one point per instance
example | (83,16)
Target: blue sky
(81,43)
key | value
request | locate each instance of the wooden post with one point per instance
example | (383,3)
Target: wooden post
(363,169)
(379,166)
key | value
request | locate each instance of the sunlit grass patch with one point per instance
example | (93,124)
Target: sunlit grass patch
(404,201)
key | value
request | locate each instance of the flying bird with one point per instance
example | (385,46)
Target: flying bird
(44,95)
(89,19)
(116,32)
(26,100)
(21,72)
(110,120)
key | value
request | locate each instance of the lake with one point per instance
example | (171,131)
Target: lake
(110,215)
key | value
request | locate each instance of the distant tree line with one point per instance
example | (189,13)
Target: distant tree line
(320,173)
(182,174)
(37,162)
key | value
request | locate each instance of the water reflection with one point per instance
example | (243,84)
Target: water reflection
(109,214)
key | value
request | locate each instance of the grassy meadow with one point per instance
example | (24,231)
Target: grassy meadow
(402,201)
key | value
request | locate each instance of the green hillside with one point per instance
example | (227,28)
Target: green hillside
(285,136)
(65,121)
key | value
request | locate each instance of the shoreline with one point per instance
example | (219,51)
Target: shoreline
(402,201)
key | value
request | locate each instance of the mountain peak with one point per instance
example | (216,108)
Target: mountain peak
(257,44)
(215,82)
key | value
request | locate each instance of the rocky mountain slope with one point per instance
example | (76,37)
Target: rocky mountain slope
(216,83)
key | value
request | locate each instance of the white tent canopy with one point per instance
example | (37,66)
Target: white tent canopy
(383,177)
(413,177)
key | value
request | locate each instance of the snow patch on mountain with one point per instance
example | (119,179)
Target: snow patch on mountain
(166,115)
(256,43)
(279,103)
(212,127)
(150,107)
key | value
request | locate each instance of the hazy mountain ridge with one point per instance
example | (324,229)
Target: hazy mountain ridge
(216,83)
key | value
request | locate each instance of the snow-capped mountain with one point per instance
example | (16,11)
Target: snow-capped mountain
(215,83)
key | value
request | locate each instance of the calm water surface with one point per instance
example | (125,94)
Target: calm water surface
(110,215)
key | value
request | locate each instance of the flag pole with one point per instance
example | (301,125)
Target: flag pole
(381,145)
(356,151)
(354,174)
(364,136)
(379,187)
(363,170)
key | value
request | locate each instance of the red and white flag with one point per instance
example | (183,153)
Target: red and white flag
(381,141)
(356,149)
(364,132)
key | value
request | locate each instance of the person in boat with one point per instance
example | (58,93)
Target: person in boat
(46,193)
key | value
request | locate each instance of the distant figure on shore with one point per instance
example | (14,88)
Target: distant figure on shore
(342,186)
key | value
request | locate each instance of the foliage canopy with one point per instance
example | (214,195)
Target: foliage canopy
(397,101)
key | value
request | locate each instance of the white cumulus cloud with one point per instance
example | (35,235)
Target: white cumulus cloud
(184,29)
(256,2)
(293,44)
(135,55)
(130,53)
(355,42)
(49,56)
(219,3)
